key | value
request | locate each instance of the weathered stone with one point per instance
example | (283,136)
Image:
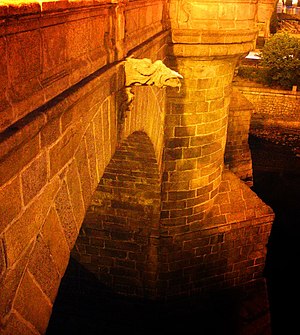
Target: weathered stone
(21,233)
(18,326)
(34,178)
(32,304)
(10,200)
(84,175)
(10,281)
(129,242)
(66,216)
(11,164)
(74,188)
(54,237)
(63,150)
(43,268)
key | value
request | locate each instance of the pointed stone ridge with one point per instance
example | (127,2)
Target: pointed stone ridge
(144,72)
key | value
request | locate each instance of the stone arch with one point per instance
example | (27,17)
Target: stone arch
(118,239)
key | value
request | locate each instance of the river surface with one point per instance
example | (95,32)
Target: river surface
(276,174)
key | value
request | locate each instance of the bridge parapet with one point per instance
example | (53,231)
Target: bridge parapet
(48,46)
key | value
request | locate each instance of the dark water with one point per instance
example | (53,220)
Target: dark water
(85,307)
(276,172)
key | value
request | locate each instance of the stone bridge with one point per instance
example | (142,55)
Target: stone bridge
(147,185)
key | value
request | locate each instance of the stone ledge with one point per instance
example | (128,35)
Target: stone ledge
(228,36)
(209,51)
(29,7)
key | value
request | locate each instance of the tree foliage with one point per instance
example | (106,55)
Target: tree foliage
(281,60)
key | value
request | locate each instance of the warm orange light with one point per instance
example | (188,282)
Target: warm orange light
(20,2)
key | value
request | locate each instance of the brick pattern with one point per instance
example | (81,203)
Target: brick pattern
(226,250)
(119,236)
(196,125)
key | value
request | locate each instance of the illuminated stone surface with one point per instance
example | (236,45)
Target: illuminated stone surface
(61,83)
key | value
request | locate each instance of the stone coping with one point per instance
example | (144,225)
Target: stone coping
(27,7)
(268,91)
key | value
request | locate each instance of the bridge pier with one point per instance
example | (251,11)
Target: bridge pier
(203,231)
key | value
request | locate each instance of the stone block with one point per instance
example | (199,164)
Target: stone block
(54,46)
(193,152)
(77,40)
(106,131)
(66,216)
(18,158)
(132,21)
(16,325)
(185,131)
(22,132)
(74,189)
(226,12)
(97,123)
(21,233)
(10,200)
(91,155)
(97,26)
(192,119)
(64,150)
(54,237)
(32,304)
(85,179)
(34,177)
(4,105)
(6,112)
(23,8)
(43,269)
(10,282)
(24,56)
(50,133)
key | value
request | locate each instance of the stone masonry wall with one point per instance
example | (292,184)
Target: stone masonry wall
(118,241)
(62,82)
(53,156)
(50,164)
(237,152)
(196,125)
(225,252)
(273,107)
(48,46)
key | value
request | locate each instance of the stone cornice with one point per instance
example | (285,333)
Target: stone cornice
(199,36)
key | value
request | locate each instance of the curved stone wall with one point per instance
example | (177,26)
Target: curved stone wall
(51,162)
(118,241)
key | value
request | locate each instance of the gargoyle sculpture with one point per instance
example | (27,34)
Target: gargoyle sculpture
(144,72)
